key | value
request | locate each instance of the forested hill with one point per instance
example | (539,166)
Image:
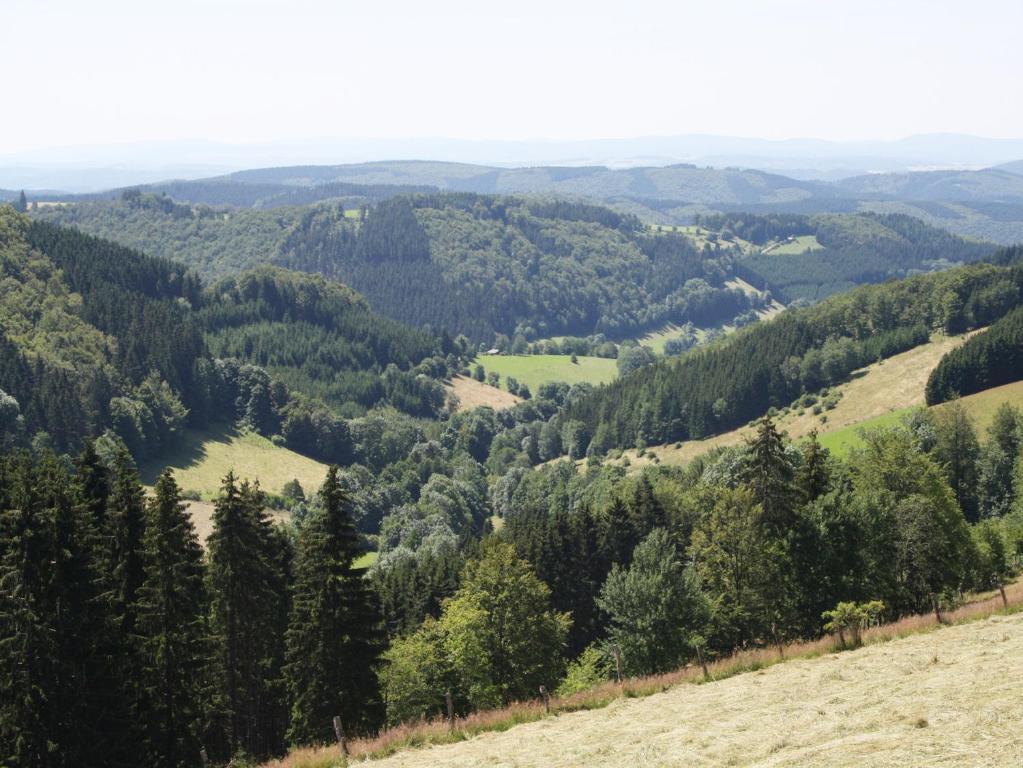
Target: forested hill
(97,338)
(770,364)
(484,265)
(840,251)
(467,264)
(488,266)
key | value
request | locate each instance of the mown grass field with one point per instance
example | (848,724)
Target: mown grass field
(910,696)
(204,458)
(534,370)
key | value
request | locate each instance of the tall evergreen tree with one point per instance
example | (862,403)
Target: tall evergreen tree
(333,639)
(956,449)
(813,475)
(171,632)
(244,584)
(769,476)
(28,649)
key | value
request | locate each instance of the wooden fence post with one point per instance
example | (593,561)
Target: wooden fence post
(546,699)
(342,742)
(449,702)
(618,663)
(205,757)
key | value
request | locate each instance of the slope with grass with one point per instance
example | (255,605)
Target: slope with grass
(473,394)
(880,392)
(203,459)
(534,370)
(947,698)
(871,706)
(980,407)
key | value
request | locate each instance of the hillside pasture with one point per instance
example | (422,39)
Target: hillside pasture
(473,394)
(203,458)
(944,698)
(534,370)
(869,707)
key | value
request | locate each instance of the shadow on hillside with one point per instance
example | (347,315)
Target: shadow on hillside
(188,451)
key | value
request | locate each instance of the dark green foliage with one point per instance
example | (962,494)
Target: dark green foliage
(318,338)
(989,359)
(956,450)
(655,607)
(503,265)
(247,602)
(171,633)
(866,248)
(391,232)
(333,639)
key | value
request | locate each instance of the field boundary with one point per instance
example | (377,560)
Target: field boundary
(439,731)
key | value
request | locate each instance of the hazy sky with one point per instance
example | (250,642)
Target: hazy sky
(111,71)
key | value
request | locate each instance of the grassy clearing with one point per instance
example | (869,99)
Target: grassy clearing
(871,706)
(981,408)
(472,394)
(794,246)
(656,339)
(534,370)
(205,457)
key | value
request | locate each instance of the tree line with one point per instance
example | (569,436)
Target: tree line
(771,364)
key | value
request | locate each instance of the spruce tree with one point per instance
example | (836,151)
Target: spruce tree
(28,649)
(171,632)
(769,476)
(93,699)
(334,640)
(127,519)
(244,588)
(813,476)
(619,537)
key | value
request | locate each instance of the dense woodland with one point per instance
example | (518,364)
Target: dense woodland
(136,643)
(493,267)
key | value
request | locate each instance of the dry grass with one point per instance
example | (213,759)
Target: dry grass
(872,706)
(878,389)
(472,394)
